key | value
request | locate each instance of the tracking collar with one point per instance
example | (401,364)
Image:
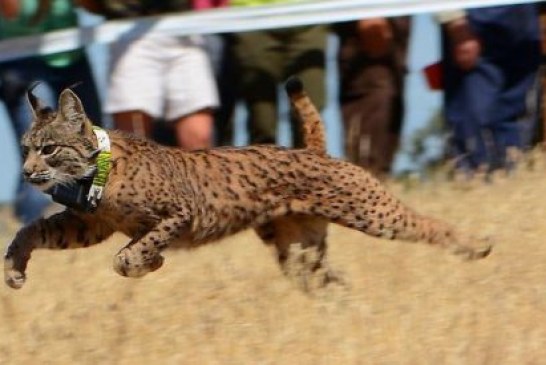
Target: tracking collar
(85,194)
(103,167)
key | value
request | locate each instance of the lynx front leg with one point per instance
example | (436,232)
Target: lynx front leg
(61,231)
(142,254)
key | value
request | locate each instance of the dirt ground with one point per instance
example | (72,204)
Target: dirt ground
(228,303)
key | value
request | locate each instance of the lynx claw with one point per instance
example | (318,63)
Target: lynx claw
(13,278)
(469,254)
(482,252)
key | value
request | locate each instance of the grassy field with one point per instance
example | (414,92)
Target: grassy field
(228,303)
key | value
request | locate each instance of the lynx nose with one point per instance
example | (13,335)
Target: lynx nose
(27,174)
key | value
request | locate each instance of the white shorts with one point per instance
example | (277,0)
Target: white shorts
(161,75)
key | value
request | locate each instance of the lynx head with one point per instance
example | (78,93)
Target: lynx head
(59,146)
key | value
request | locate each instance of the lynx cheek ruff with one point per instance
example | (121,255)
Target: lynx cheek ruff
(85,194)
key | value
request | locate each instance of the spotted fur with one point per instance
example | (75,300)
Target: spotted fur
(161,197)
(314,138)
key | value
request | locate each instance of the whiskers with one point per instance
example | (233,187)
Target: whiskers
(41,180)
(60,178)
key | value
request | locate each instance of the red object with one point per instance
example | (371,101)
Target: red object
(208,4)
(433,74)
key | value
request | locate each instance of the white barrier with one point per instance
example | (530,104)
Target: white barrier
(233,20)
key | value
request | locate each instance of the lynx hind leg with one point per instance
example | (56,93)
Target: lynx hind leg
(403,224)
(359,201)
(438,233)
(300,242)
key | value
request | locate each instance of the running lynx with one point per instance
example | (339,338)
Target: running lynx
(160,196)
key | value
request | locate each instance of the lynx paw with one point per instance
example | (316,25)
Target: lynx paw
(475,253)
(13,278)
(127,264)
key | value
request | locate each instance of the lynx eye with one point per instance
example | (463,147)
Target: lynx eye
(49,149)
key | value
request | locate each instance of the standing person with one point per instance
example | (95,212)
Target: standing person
(265,58)
(159,76)
(490,63)
(221,55)
(372,66)
(55,72)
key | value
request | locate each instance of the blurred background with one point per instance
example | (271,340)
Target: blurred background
(441,100)
(422,103)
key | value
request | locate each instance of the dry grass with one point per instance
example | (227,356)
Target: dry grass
(230,304)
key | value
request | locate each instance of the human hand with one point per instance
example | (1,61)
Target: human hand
(465,46)
(376,36)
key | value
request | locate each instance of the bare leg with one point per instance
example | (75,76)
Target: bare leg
(58,232)
(136,122)
(195,131)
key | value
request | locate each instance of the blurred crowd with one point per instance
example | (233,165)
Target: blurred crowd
(189,85)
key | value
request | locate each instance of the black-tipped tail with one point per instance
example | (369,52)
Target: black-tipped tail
(312,125)
(293,85)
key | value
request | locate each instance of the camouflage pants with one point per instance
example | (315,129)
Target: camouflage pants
(267,58)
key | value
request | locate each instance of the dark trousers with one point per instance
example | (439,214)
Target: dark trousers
(486,106)
(227,79)
(371,96)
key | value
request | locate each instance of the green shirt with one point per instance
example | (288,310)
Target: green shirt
(60,15)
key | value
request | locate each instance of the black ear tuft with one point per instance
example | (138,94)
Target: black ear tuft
(35,103)
(293,85)
(75,85)
(33,85)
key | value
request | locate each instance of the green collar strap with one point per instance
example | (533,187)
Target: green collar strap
(104,164)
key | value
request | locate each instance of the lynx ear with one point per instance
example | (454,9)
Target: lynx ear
(71,109)
(36,105)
